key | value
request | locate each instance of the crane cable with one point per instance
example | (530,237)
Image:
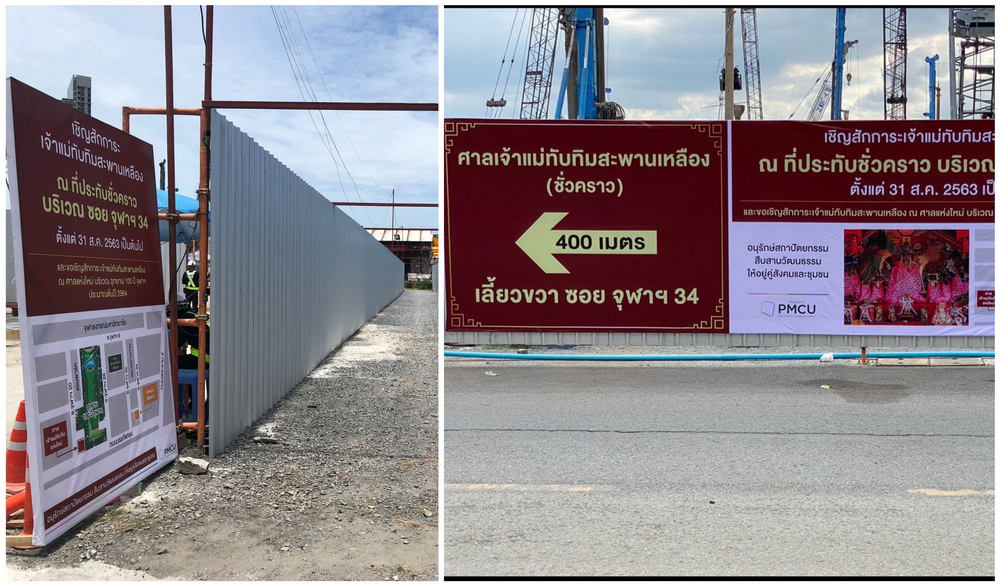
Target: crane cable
(503,61)
(810,92)
(336,113)
(516,44)
(855,66)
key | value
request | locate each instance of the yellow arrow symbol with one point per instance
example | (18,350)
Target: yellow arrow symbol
(541,242)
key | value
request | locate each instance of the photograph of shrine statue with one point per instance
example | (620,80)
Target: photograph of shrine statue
(906,277)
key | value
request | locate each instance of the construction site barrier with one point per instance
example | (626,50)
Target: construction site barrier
(722,357)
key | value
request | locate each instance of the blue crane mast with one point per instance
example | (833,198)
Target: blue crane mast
(839,52)
(583,84)
(932,90)
(832,80)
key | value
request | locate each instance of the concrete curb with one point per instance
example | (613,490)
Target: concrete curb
(935,362)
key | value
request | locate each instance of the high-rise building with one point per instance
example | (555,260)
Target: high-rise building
(78,94)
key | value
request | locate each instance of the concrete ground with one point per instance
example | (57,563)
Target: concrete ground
(728,469)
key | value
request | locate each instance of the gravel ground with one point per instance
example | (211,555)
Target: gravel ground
(348,492)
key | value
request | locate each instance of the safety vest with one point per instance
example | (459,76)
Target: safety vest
(194,353)
(190,280)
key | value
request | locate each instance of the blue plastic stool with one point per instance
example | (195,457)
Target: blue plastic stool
(187,395)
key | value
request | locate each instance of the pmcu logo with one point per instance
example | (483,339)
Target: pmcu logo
(785,309)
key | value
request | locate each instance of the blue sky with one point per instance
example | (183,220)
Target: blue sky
(348,53)
(664,63)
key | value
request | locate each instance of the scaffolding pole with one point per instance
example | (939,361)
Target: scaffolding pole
(201,318)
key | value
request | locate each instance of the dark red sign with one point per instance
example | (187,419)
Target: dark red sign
(592,226)
(871,171)
(85,197)
(986,298)
(55,438)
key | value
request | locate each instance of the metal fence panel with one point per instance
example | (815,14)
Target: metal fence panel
(811,341)
(292,277)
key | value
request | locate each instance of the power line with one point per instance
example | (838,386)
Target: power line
(302,79)
(330,96)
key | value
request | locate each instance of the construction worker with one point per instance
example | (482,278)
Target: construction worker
(187,340)
(191,279)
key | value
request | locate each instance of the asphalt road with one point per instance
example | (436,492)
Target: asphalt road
(743,469)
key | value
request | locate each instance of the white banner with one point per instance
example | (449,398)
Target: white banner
(813,278)
(100,409)
(98,396)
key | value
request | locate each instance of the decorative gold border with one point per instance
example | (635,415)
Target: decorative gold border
(452,129)
(469,322)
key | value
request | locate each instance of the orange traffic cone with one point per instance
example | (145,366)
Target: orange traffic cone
(15,503)
(23,541)
(17,452)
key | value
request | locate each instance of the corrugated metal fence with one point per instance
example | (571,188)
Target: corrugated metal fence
(810,341)
(292,277)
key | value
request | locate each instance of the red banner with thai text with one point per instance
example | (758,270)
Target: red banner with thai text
(87,202)
(866,171)
(585,226)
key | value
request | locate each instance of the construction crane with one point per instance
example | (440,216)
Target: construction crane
(894,62)
(838,65)
(932,111)
(583,84)
(584,63)
(751,64)
(823,98)
(972,34)
(539,63)
(831,81)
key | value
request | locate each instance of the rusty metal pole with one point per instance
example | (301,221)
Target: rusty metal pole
(171,201)
(203,199)
(864,355)
(128,111)
(363,106)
